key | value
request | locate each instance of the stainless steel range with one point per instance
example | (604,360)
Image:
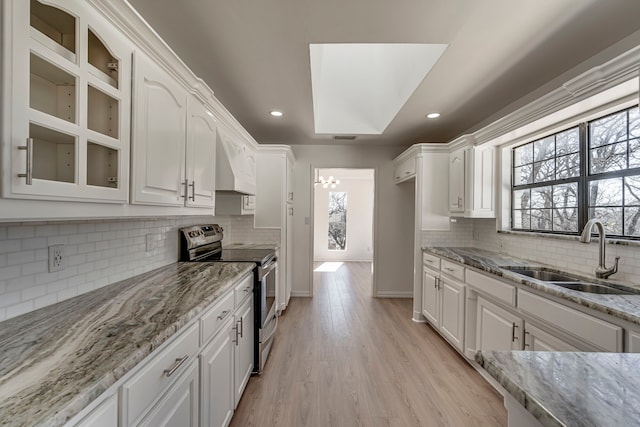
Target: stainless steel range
(203,243)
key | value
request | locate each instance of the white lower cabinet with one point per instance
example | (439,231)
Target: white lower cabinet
(497,329)
(244,348)
(536,339)
(179,405)
(105,415)
(443,305)
(217,378)
(633,342)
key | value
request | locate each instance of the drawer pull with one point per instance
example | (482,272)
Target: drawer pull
(429,261)
(224,314)
(450,269)
(247,289)
(175,366)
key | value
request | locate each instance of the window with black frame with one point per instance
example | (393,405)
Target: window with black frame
(588,171)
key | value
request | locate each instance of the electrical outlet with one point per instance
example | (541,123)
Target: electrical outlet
(56,258)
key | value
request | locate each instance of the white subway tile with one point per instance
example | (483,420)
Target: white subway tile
(33,292)
(9,298)
(65,294)
(18,309)
(22,257)
(21,231)
(45,300)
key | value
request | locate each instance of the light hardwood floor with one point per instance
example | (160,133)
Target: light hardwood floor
(343,358)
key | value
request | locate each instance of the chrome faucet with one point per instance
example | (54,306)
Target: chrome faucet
(602,272)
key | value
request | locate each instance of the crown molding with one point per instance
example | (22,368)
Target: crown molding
(137,29)
(596,80)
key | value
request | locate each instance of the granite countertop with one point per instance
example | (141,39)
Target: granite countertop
(625,307)
(56,360)
(570,389)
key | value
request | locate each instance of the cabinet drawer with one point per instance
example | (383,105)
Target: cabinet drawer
(499,290)
(156,375)
(603,335)
(244,289)
(431,261)
(215,317)
(452,269)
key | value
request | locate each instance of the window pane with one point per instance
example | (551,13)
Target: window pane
(632,191)
(521,219)
(608,130)
(541,219)
(523,155)
(609,158)
(605,192)
(544,148)
(545,170)
(634,153)
(337,220)
(611,219)
(521,199)
(565,219)
(541,197)
(568,142)
(565,195)
(522,175)
(634,122)
(631,219)
(568,166)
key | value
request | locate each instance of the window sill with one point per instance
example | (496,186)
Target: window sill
(610,241)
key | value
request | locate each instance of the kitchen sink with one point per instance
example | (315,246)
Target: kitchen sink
(594,288)
(540,273)
(568,281)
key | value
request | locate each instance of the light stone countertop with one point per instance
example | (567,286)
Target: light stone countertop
(570,389)
(625,307)
(56,360)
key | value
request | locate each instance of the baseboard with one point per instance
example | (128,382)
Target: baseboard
(394,294)
(301,294)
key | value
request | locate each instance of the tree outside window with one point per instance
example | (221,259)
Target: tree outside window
(337,220)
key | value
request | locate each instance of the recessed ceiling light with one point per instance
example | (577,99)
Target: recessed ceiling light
(276,113)
(433,115)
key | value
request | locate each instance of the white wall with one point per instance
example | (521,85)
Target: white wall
(394,205)
(359,217)
(97,252)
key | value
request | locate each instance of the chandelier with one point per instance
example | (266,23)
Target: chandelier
(326,182)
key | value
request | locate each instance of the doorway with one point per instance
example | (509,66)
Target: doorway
(343,218)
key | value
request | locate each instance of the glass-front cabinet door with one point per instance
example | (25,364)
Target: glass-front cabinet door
(66,103)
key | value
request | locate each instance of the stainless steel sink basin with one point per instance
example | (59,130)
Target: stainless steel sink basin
(540,273)
(594,288)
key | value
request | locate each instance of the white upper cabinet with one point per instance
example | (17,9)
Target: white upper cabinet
(472,180)
(66,103)
(456,181)
(159,135)
(174,141)
(201,155)
(235,165)
(404,168)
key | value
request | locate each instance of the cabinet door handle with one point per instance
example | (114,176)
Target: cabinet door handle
(186,189)
(435,283)
(526,333)
(459,202)
(513,332)
(241,321)
(235,328)
(28,175)
(247,289)
(193,190)
(224,314)
(175,366)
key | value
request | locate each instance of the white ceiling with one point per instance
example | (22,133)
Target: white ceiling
(255,55)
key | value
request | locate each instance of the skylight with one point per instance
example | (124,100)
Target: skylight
(359,88)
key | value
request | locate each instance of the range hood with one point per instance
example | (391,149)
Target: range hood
(235,166)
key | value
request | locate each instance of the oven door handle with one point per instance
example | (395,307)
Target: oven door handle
(265,270)
(273,331)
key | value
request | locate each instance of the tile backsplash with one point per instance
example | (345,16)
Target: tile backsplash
(97,253)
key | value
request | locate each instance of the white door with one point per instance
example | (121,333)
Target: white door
(430,297)
(452,311)
(216,376)
(497,329)
(179,406)
(201,155)
(159,116)
(244,348)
